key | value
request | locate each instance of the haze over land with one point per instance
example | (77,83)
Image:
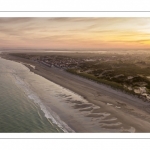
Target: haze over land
(74,33)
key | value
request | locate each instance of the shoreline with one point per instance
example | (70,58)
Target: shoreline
(128,109)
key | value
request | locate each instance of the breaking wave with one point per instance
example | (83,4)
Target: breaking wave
(49,114)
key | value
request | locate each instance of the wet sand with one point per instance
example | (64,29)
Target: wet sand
(108,109)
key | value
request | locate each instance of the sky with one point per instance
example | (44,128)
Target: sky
(75,33)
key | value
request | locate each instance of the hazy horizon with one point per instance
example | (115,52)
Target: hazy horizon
(74,33)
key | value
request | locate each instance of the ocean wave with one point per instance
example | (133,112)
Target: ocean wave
(49,114)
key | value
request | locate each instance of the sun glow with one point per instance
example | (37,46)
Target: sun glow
(70,33)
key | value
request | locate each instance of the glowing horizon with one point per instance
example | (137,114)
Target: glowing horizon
(75,33)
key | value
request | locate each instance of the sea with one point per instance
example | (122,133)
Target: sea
(21,108)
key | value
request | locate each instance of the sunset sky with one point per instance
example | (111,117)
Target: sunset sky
(75,33)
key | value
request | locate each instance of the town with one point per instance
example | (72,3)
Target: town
(127,72)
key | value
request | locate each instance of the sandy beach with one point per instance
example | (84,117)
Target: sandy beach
(107,108)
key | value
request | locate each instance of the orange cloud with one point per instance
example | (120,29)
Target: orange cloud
(71,33)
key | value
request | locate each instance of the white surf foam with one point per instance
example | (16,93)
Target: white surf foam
(48,114)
